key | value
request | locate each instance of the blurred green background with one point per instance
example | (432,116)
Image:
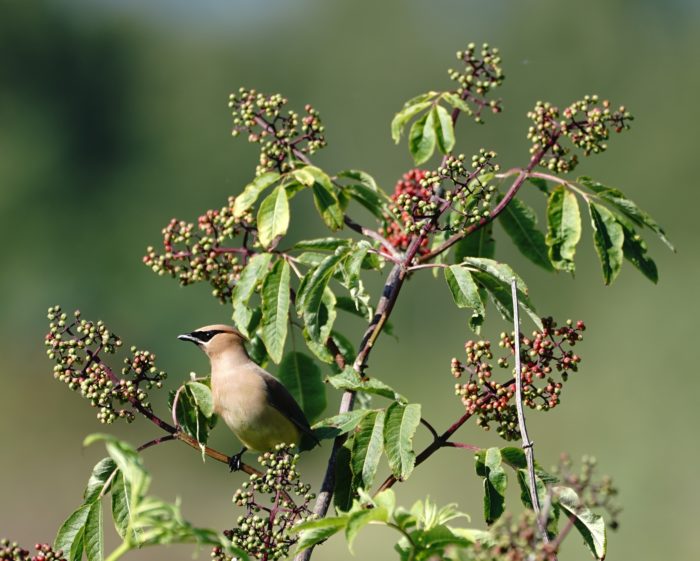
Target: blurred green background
(113,119)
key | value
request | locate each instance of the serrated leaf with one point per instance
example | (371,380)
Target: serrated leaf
(100,479)
(311,293)
(202,397)
(501,296)
(372,200)
(313,532)
(520,223)
(275,309)
(422,138)
(476,244)
(121,505)
(634,248)
(321,244)
(359,519)
(302,377)
(400,120)
(464,290)
(457,102)
(399,427)
(563,228)
(444,128)
(367,449)
(251,276)
(500,271)
(628,207)
(273,217)
(608,238)
(363,177)
(94,533)
(344,492)
(252,191)
(70,536)
(328,206)
(589,525)
(303,176)
(495,483)
(340,424)
(348,379)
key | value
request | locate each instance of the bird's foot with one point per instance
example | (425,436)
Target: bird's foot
(235,463)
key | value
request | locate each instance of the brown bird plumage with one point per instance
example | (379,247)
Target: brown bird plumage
(254,404)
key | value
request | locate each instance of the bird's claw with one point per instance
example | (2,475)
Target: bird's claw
(235,463)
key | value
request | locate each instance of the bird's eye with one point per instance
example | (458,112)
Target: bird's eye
(205,336)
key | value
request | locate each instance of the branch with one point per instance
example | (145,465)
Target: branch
(527,443)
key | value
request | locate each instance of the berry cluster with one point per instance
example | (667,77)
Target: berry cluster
(541,354)
(263,532)
(482,73)
(10,551)
(75,346)
(195,254)
(515,540)
(586,123)
(411,200)
(468,192)
(283,136)
(594,493)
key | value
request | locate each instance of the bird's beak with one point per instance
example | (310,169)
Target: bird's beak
(189,337)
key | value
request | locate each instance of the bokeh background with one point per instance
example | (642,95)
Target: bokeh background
(113,119)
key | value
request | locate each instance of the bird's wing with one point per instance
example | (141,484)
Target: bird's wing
(280,398)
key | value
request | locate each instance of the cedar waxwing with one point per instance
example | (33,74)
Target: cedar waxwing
(254,404)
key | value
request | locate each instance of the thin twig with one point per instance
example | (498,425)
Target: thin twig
(527,443)
(430,428)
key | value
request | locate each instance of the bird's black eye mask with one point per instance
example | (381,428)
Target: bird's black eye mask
(200,336)
(205,336)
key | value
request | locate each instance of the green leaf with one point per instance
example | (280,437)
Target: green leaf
(348,379)
(608,239)
(476,244)
(541,184)
(121,505)
(321,244)
(400,120)
(367,449)
(400,426)
(125,457)
(634,248)
(495,483)
(311,294)
(325,198)
(339,424)
(252,191)
(304,177)
(94,533)
(202,398)
(464,290)
(373,201)
(313,532)
(457,102)
(501,295)
(302,377)
(344,492)
(70,537)
(589,525)
(422,138)
(100,479)
(251,276)
(444,128)
(359,519)
(629,208)
(273,217)
(563,228)
(520,223)
(499,271)
(275,309)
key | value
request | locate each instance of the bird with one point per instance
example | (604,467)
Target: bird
(254,404)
